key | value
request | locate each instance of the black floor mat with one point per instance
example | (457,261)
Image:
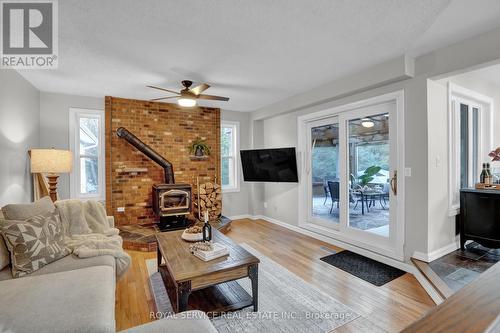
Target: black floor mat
(367,269)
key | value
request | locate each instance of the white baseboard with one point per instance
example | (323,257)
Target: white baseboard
(429,289)
(240,217)
(431,256)
(389,261)
(372,255)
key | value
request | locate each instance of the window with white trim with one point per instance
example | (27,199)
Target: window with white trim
(229,156)
(470,130)
(86,127)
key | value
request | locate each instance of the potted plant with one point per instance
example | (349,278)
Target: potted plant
(199,147)
(367,176)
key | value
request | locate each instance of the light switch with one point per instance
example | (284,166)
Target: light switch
(407,172)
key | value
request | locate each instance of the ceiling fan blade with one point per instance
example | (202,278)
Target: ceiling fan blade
(212,97)
(163,89)
(199,89)
(159,99)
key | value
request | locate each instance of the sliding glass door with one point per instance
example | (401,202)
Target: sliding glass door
(324,199)
(351,162)
(372,172)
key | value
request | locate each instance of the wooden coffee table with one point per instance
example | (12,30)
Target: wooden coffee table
(209,286)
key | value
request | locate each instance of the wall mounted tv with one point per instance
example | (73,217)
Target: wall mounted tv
(269,165)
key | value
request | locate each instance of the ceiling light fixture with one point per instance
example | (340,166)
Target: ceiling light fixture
(186,102)
(367,122)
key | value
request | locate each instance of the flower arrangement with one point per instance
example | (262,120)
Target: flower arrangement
(495,154)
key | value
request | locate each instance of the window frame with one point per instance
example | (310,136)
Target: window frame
(75,114)
(458,95)
(235,126)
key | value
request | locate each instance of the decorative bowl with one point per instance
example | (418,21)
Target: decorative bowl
(192,237)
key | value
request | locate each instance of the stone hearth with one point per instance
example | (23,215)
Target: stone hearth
(141,237)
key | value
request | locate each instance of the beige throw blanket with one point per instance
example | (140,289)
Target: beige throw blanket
(89,234)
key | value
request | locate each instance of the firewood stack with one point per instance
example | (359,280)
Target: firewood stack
(208,198)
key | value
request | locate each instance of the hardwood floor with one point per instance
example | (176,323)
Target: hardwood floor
(134,300)
(389,308)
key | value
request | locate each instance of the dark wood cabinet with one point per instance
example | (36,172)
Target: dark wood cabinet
(480,217)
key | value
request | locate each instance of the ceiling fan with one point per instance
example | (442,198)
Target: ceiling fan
(187,97)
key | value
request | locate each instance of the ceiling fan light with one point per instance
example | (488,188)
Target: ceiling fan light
(186,102)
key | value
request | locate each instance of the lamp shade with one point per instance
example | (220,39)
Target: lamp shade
(51,161)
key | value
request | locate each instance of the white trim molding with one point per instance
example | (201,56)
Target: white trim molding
(392,246)
(431,256)
(240,217)
(74,143)
(409,268)
(235,125)
(344,245)
(484,103)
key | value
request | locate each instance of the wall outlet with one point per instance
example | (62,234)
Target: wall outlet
(120,209)
(265,204)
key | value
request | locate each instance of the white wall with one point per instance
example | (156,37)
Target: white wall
(478,83)
(442,228)
(19,132)
(279,129)
(237,203)
(281,198)
(54,124)
(441,232)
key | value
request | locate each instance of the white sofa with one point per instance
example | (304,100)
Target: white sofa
(74,295)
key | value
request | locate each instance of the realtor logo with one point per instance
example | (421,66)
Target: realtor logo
(29,34)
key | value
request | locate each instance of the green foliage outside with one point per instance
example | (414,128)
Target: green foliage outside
(324,160)
(373,154)
(225,138)
(324,163)
(368,175)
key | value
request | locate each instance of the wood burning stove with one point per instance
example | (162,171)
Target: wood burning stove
(171,202)
(171,199)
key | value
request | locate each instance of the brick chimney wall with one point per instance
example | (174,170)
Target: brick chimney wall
(168,129)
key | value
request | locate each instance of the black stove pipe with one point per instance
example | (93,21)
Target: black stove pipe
(149,152)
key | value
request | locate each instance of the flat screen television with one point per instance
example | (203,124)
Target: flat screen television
(269,165)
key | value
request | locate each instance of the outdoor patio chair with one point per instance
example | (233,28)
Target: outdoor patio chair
(326,190)
(334,188)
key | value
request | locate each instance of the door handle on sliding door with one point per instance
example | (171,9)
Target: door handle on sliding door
(394,183)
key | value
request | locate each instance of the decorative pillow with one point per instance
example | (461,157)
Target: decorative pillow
(34,243)
(21,212)
(4,253)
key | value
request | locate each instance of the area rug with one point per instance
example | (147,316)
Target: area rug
(286,303)
(364,268)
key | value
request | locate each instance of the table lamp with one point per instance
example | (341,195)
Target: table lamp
(51,162)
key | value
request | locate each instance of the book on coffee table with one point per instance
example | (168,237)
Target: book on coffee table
(218,251)
(208,286)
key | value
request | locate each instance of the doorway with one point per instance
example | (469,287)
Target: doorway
(349,183)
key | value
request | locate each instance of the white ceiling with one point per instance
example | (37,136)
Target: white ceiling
(255,52)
